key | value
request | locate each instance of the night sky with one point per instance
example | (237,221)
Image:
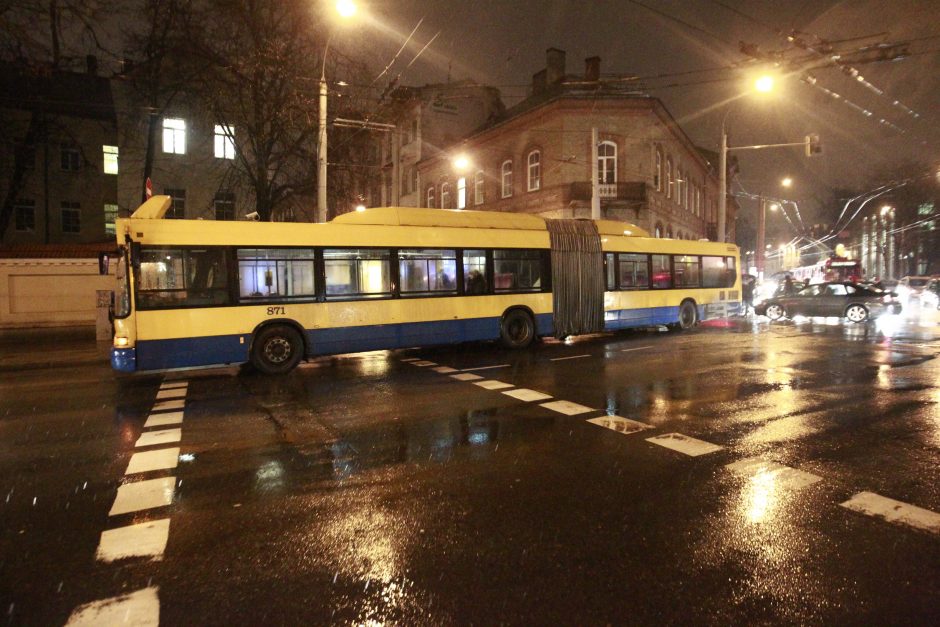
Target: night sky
(503,42)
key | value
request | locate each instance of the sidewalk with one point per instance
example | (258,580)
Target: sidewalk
(51,347)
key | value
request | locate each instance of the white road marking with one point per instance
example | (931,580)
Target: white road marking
(638,348)
(466,376)
(444,369)
(486,367)
(163,436)
(133,497)
(684,444)
(756,469)
(407,359)
(140,609)
(526,395)
(162,420)
(567,408)
(620,424)
(493,384)
(423,364)
(162,459)
(174,394)
(572,357)
(142,540)
(894,511)
(168,405)
(174,385)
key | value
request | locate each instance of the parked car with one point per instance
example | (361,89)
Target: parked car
(931,294)
(911,287)
(843,299)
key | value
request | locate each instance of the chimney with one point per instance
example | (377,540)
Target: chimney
(554,65)
(91,65)
(538,82)
(592,69)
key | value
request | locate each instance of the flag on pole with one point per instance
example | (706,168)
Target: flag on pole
(149,187)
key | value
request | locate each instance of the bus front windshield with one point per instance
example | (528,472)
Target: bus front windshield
(122,295)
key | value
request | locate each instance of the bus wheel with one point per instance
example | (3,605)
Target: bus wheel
(277,349)
(688,315)
(517,330)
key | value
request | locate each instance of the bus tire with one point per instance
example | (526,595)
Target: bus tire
(688,315)
(517,329)
(277,349)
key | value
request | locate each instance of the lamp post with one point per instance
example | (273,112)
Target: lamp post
(346,9)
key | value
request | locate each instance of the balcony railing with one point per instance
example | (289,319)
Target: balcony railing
(633,191)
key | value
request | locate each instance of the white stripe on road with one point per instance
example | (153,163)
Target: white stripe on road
(894,511)
(142,540)
(572,357)
(162,459)
(175,394)
(168,405)
(493,384)
(638,348)
(526,395)
(164,436)
(466,376)
(407,359)
(162,420)
(684,444)
(423,364)
(444,369)
(760,470)
(140,609)
(486,367)
(567,408)
(174,385)
(133,497)
(620,424)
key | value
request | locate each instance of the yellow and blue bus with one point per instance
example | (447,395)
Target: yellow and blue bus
(197,293)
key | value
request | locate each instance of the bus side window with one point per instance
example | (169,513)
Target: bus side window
(171,278)
(474,272)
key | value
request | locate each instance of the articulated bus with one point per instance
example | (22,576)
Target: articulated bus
(197,293)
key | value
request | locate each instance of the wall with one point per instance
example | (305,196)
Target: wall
(50,292)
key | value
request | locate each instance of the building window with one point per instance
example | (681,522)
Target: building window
(679,186)
(224,141)
(534,177)
(174,136)
(506,179)
(110,159)
(413,135)
(668,178)
(71,158)
(698,201)
(445,195)
(24,155)
(224,204)
(110,215)
(413,175)
(71,216)
(24,212)
(478,188)
(658,171)
(462,193)
(607,163)
(177,210)
(430,197)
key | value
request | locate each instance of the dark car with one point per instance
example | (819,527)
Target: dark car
(839,298)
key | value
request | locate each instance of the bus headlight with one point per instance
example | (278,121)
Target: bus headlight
(121,342)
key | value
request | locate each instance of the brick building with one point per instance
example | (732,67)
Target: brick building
(536,158)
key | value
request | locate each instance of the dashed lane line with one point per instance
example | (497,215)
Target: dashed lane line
(147,539)
(527,396)
(784,477)
(567,408)
(163,436)
(141,495)
(684,444)
(140,609)
(620,424)
(892,511)
(638,348)
(493,384)
(486,367)
(571,357)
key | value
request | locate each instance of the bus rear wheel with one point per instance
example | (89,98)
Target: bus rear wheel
(277,349)
(688,315)
(517,329)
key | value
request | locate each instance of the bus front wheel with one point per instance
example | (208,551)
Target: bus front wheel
(277,349)
(517,329)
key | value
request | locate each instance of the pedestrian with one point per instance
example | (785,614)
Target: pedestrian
(747,292)
(789,288)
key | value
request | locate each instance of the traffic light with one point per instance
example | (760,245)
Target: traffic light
(813,147)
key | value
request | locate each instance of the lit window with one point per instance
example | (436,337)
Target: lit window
(174,136)
(534,177)
(507,179)
(607,163)
(445,195)
(224,142)
(478,188)
(110,215)
(110,159)
(462,193)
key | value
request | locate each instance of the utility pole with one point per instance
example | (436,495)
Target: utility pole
(761,230)
(595,182)
(722,186)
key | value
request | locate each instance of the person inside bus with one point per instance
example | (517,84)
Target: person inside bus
(476,283)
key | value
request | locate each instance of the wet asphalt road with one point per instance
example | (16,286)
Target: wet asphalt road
(378,488)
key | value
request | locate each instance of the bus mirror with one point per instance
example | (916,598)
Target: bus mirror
(103,261)
(135,255)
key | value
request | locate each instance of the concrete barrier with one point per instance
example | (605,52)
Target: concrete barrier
(50,292)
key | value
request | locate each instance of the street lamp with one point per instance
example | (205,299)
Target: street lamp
(345,9)
(787,181)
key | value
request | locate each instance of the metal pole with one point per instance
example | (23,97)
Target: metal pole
(595,182)
(321,153)
(761,224)
(722,185)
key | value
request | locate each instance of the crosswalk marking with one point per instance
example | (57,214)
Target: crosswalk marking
(163,436)
(783,476)
(173,394)
(567,408)
(423,364)
(407,359)
(169,405)
(893,511)
(492,384)
(140,609)
(162,459)
(684,444)
(146,539)
(466,376)
(162,420)
(527,395)
(140,495)
(174,385)
(444,369)
(620,424)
